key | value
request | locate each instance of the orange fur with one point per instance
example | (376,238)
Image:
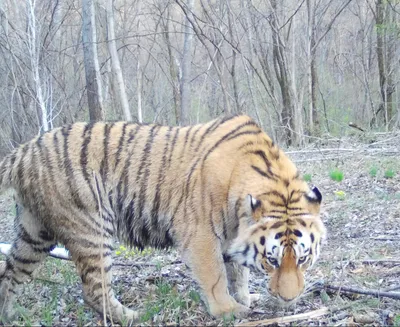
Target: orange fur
(216,190)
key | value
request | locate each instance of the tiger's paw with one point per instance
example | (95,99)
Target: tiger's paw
(246,298)
(234,310)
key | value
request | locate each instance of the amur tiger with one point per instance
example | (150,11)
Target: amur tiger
(222,193)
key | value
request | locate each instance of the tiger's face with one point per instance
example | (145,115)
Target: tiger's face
(283,248)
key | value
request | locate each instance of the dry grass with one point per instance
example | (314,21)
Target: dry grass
(362,214)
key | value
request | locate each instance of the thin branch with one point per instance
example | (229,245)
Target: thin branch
(287,319)
(329,26)
(353,290)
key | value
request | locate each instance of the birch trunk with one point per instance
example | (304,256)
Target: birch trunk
(115,63)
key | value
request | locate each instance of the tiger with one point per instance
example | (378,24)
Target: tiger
(222,193)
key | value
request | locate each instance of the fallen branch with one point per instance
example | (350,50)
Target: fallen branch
(392,288)
(135,264)
(353,290)
(380,238)
(287,319)
(381,261)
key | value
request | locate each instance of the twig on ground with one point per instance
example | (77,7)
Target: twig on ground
(287,319)
(135,264)
(381,261)
(392,288)
(384,238)
(354,290)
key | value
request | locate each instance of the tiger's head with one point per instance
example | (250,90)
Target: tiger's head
(280,239)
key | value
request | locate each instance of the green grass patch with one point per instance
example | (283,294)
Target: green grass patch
(373,171)
(389,173)
(396,321)
(336,175)
(165,301)
(133,252)
(307,177)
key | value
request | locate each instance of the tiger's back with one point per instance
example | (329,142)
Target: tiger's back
(147,185)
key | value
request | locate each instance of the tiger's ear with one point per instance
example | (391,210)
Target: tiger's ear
(253,207)
(314,198)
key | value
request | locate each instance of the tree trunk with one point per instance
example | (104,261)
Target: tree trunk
(281,71)
(172,70)
(186,65)
(312,70)
(34,53)
(92,69)
(115,63)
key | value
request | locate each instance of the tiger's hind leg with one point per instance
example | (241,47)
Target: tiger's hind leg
(94,265)
(30,247)
(238,278)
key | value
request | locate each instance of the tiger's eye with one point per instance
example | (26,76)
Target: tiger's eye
(302,260)
(273,262)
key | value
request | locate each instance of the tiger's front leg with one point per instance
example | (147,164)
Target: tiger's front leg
(204,257)
(238,277)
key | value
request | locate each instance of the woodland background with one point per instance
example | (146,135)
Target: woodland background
(302,69)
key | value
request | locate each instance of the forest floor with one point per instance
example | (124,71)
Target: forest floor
(362,251)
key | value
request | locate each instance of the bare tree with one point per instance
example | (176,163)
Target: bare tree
(186,65)
(92,68)
(115,63)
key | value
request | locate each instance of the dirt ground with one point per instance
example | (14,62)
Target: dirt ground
(362,251)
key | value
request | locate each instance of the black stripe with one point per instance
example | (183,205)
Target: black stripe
(171,151)
(120,145)
(46,236)
(145,165)
(224,138)
(160,181)
(217,123)
(278,211)
(244,133)
(45,249)
(211,221)
(124,181)
(276,204)
(186,139)
(297,233)
(87,136)
(225,230)
(279,235)
(24,271)
(129,219)
(210,129)
(263,173)
(21,164)
(104,162)
(16,281)
(255,252)
(299,214)
(277,224)
(302,222)
(246,249)
(237,208)
(23,235)
(249,143)
(277,194)
(23,260)
(69,171)
(193,138)
(295,200)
